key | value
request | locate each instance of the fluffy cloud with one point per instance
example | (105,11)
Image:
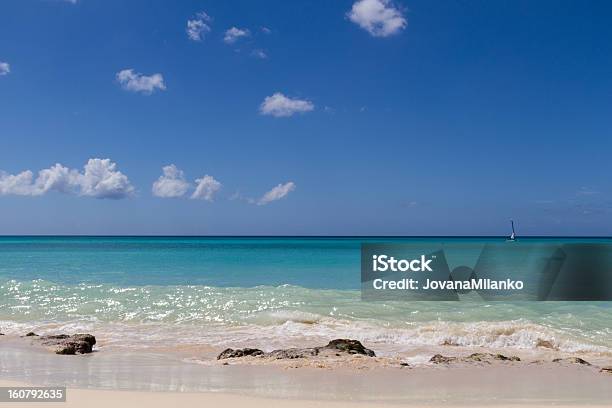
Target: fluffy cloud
(17,184)
(234,34)
(277,193)
(5,68)
(100,179)
(171,184)
(378,17)
(279,105)
(206,188)
(198,27)
(136,82)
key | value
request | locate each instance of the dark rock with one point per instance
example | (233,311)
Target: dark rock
(476,357)
(69,345)
(1,334)
(480,357)
(572,360)
(293,353)
(68,349)
(404,364)
(54,337)
(231,353)
(87,338)
(440,359)
(30,334)
(335,347)
(489,356)
(607,370)
(349,346)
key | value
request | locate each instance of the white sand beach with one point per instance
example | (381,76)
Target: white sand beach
(160,379)
(103,399)
(483,389)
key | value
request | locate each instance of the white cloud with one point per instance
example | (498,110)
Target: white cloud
(279,105)
(197,28)
(266,30)
(56,178)
(378,17)
(5,68)
(234,34)
(277,193)
(137,82)
(206,188)
(100,179)
(261,54)
(17,184)
(171,184)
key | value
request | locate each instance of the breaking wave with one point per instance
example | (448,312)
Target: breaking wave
(287,316)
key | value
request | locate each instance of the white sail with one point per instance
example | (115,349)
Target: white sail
(513,235)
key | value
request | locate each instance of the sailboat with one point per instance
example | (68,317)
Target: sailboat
(512,236)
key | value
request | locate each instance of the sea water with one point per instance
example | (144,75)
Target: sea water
(172,292)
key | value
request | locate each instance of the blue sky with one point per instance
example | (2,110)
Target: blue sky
(313,117)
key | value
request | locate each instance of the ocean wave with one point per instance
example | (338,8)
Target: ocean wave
(290,316)
(278,317)
(295,330)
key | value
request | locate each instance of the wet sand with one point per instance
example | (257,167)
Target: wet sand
(135,378)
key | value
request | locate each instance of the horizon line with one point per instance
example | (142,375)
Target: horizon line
(290,236)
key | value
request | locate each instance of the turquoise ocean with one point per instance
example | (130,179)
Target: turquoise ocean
(165,292)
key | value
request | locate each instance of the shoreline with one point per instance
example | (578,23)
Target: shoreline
(137,375)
